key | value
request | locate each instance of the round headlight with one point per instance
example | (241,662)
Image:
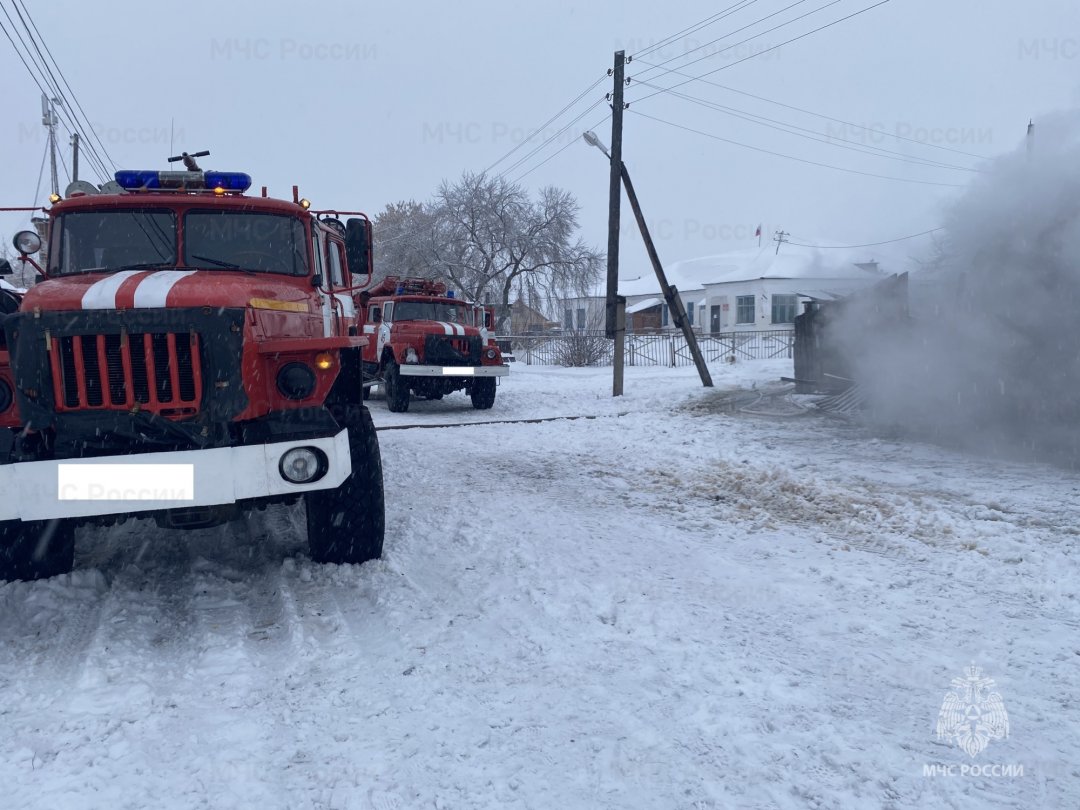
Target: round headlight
(492,354)
(302,465)
(296,381)
(27,242)
(7,396)
(411,356)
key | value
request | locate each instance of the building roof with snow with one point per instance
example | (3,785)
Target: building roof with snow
(755,263)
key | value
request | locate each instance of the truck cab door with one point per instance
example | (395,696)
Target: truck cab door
(383,334)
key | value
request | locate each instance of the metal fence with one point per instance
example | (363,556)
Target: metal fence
(587,348)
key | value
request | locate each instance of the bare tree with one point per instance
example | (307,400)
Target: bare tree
(403,236)
(496,244)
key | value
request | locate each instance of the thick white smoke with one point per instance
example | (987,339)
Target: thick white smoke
(991,356)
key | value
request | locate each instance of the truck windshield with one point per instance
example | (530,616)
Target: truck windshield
(245,240)
(102,241)
(431,311)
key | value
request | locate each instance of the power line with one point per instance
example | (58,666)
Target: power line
(868,244)
(86,118)
(559,151)
(748,39)
(793,129)
(759,34)
(792,157)
(816,114)
(540,128)
(98,166)
(552,137)
(696,26)
(767,50)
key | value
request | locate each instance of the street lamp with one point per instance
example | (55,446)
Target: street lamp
(592,140)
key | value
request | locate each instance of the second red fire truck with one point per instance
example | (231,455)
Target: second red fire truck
(424,341)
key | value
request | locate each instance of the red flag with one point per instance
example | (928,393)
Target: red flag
(758,231)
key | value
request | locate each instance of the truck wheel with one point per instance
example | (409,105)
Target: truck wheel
(345,525)
(397,390)
(483,393)
(36,549)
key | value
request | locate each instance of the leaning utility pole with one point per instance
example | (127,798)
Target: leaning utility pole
(671,294)
(780,238)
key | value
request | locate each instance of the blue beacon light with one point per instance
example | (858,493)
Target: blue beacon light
(149,179)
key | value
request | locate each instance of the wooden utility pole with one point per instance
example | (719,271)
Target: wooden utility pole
(780,238)
(671,295)
(74,156)
(614,195)
(619,356)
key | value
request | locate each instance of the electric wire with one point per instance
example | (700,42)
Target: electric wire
(813,135)
(559,151)
(53,91)
(748,39)
(792,157)
(75,98)
(819,115)
(696,27)
(868,244)
(766,50)
(755,36)
(61,115)
(551,138)
(540,128)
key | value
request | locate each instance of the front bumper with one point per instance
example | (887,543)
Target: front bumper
(38,490)
(452,371)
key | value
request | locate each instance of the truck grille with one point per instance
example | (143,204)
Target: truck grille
(452,351)
(158,372)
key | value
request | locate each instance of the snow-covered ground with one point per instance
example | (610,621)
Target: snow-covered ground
(680,603)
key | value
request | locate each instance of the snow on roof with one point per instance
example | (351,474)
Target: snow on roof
(753,263)
(648,303)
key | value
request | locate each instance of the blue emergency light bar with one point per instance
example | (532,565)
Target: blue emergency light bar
(152,180)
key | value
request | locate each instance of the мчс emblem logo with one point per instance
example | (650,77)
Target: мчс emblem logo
(972,714)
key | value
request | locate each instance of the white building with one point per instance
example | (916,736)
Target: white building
(752,289)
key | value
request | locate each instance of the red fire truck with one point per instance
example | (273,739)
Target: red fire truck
(190,353)
(427,342)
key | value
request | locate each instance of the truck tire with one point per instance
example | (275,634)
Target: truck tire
(483,393)
(36,549)
(346,525)
(397,390)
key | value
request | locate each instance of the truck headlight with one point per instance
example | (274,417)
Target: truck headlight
(492,354)
(296,381)
(27,242)
(411,356)
(302,465)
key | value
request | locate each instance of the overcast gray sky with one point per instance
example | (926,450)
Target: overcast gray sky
(365,104)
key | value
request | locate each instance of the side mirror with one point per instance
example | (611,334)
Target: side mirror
(358,250)
(5,268)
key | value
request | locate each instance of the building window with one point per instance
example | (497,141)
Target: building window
(690,312)
(568,318)
(784,308)
(744,309)
(664,315)
(581,318)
